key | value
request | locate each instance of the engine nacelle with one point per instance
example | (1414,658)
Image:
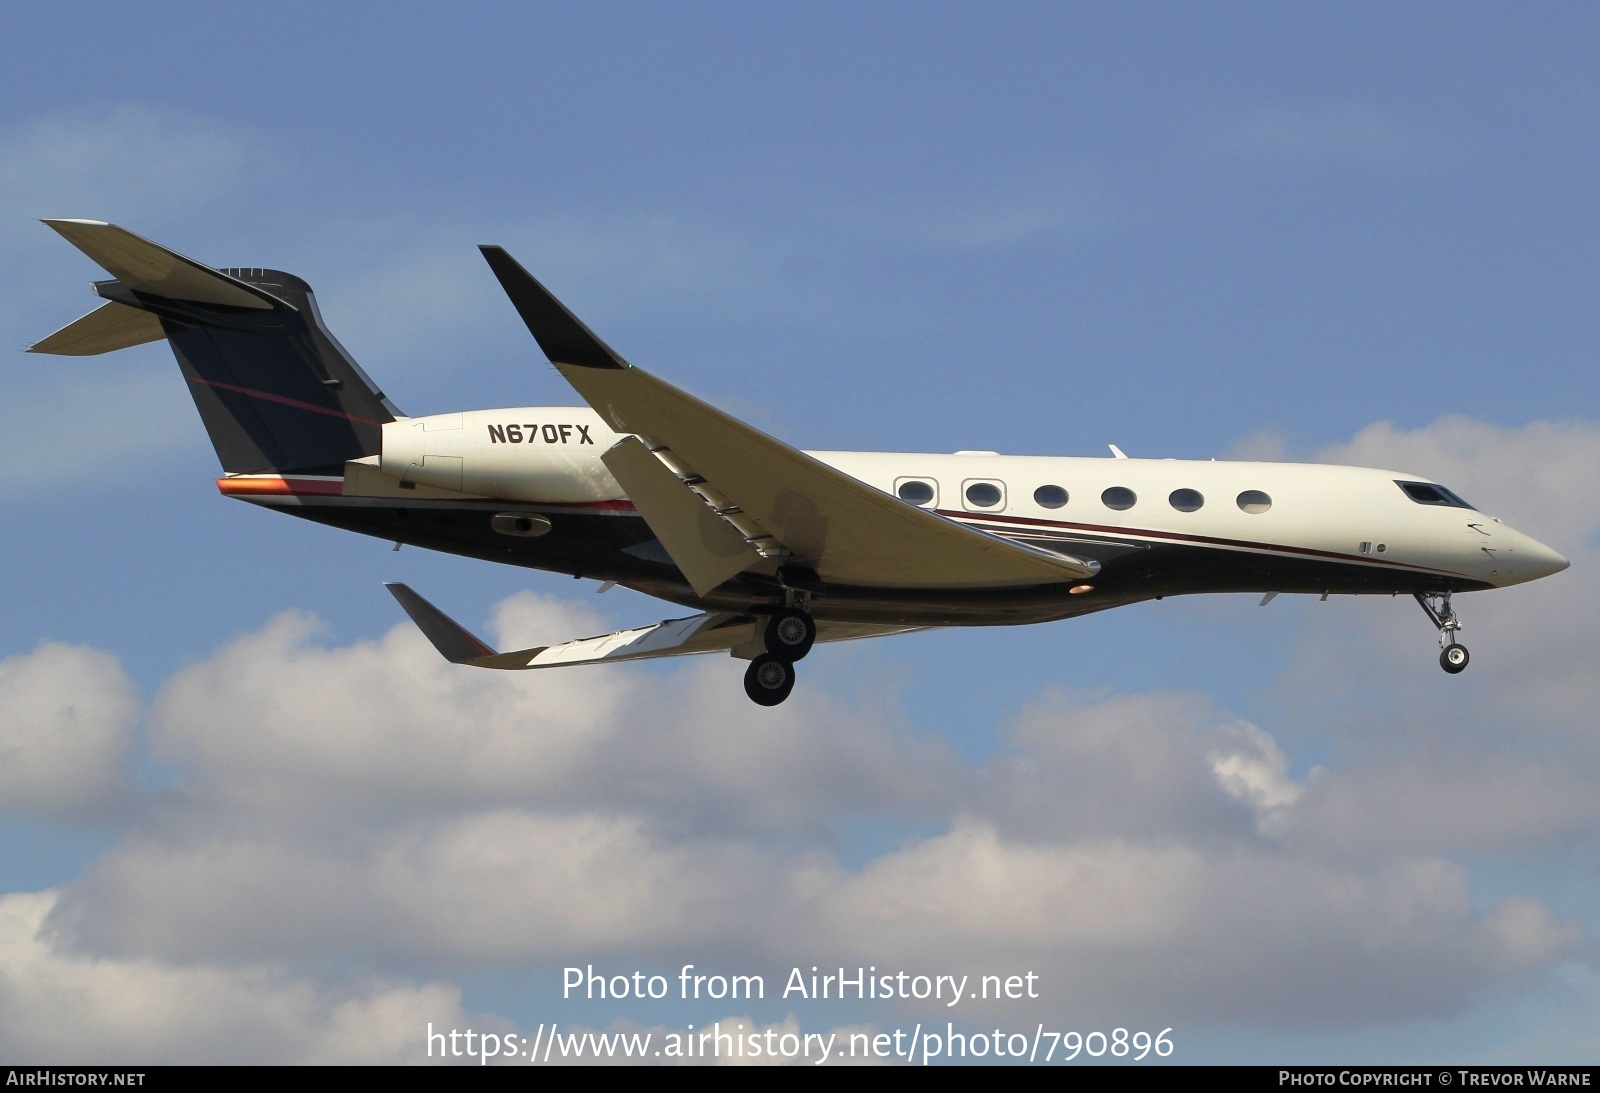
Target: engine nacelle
(541,453)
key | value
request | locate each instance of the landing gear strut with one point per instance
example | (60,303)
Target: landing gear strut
(1453,657)
(788,636)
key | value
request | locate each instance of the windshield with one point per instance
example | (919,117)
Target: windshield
(1430,493)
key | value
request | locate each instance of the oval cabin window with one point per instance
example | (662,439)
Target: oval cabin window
(1186,500)
(1119,498)
(1254,502)
(983,495)
(1050,497)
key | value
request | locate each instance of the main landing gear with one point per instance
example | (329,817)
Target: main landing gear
(1453,657)
(789,635)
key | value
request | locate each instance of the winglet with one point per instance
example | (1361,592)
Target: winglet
(560,333)
(453,641)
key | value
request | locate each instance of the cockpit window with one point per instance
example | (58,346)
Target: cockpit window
(1429,493)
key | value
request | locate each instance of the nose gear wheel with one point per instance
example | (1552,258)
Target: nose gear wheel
(1453,656)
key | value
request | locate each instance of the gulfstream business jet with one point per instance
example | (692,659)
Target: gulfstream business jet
(648,487)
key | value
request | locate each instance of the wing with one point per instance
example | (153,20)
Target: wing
(713,632)
(785,503)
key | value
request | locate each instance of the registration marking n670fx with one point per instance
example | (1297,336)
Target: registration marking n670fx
(773,548)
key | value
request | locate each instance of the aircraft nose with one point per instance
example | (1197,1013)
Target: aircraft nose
(1541,561)
(1534,560)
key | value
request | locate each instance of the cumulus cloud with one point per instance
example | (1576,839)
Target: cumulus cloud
(1173,927)
(507,885)
(66,718)
(62,1006)
(1151,852)
(278,723)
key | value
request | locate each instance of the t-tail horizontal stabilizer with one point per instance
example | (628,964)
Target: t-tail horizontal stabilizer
(140,266)
(712,632)
(276,391)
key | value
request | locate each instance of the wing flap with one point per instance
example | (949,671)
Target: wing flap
(703,545)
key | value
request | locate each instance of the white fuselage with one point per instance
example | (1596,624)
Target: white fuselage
(1353,516)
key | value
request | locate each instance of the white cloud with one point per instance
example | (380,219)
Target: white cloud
(507,885)
(1149,852)
(66,718)
(61,1006)
(1191,930)
(276,723)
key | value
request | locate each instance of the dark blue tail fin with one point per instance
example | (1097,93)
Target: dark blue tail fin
(275,389)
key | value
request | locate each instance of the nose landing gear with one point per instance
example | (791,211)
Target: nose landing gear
(1453,657)
(789,635)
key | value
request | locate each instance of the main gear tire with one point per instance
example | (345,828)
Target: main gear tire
(768,680)
(790,634)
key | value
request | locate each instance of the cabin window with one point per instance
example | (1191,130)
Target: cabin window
(1185,500)
(1119,498)
(1050,497)
(1254,502)
(915,491)
(984,495)
(1429,493)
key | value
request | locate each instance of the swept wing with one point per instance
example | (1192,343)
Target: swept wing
(785,503)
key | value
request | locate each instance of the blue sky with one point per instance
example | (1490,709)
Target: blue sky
(1344,232)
